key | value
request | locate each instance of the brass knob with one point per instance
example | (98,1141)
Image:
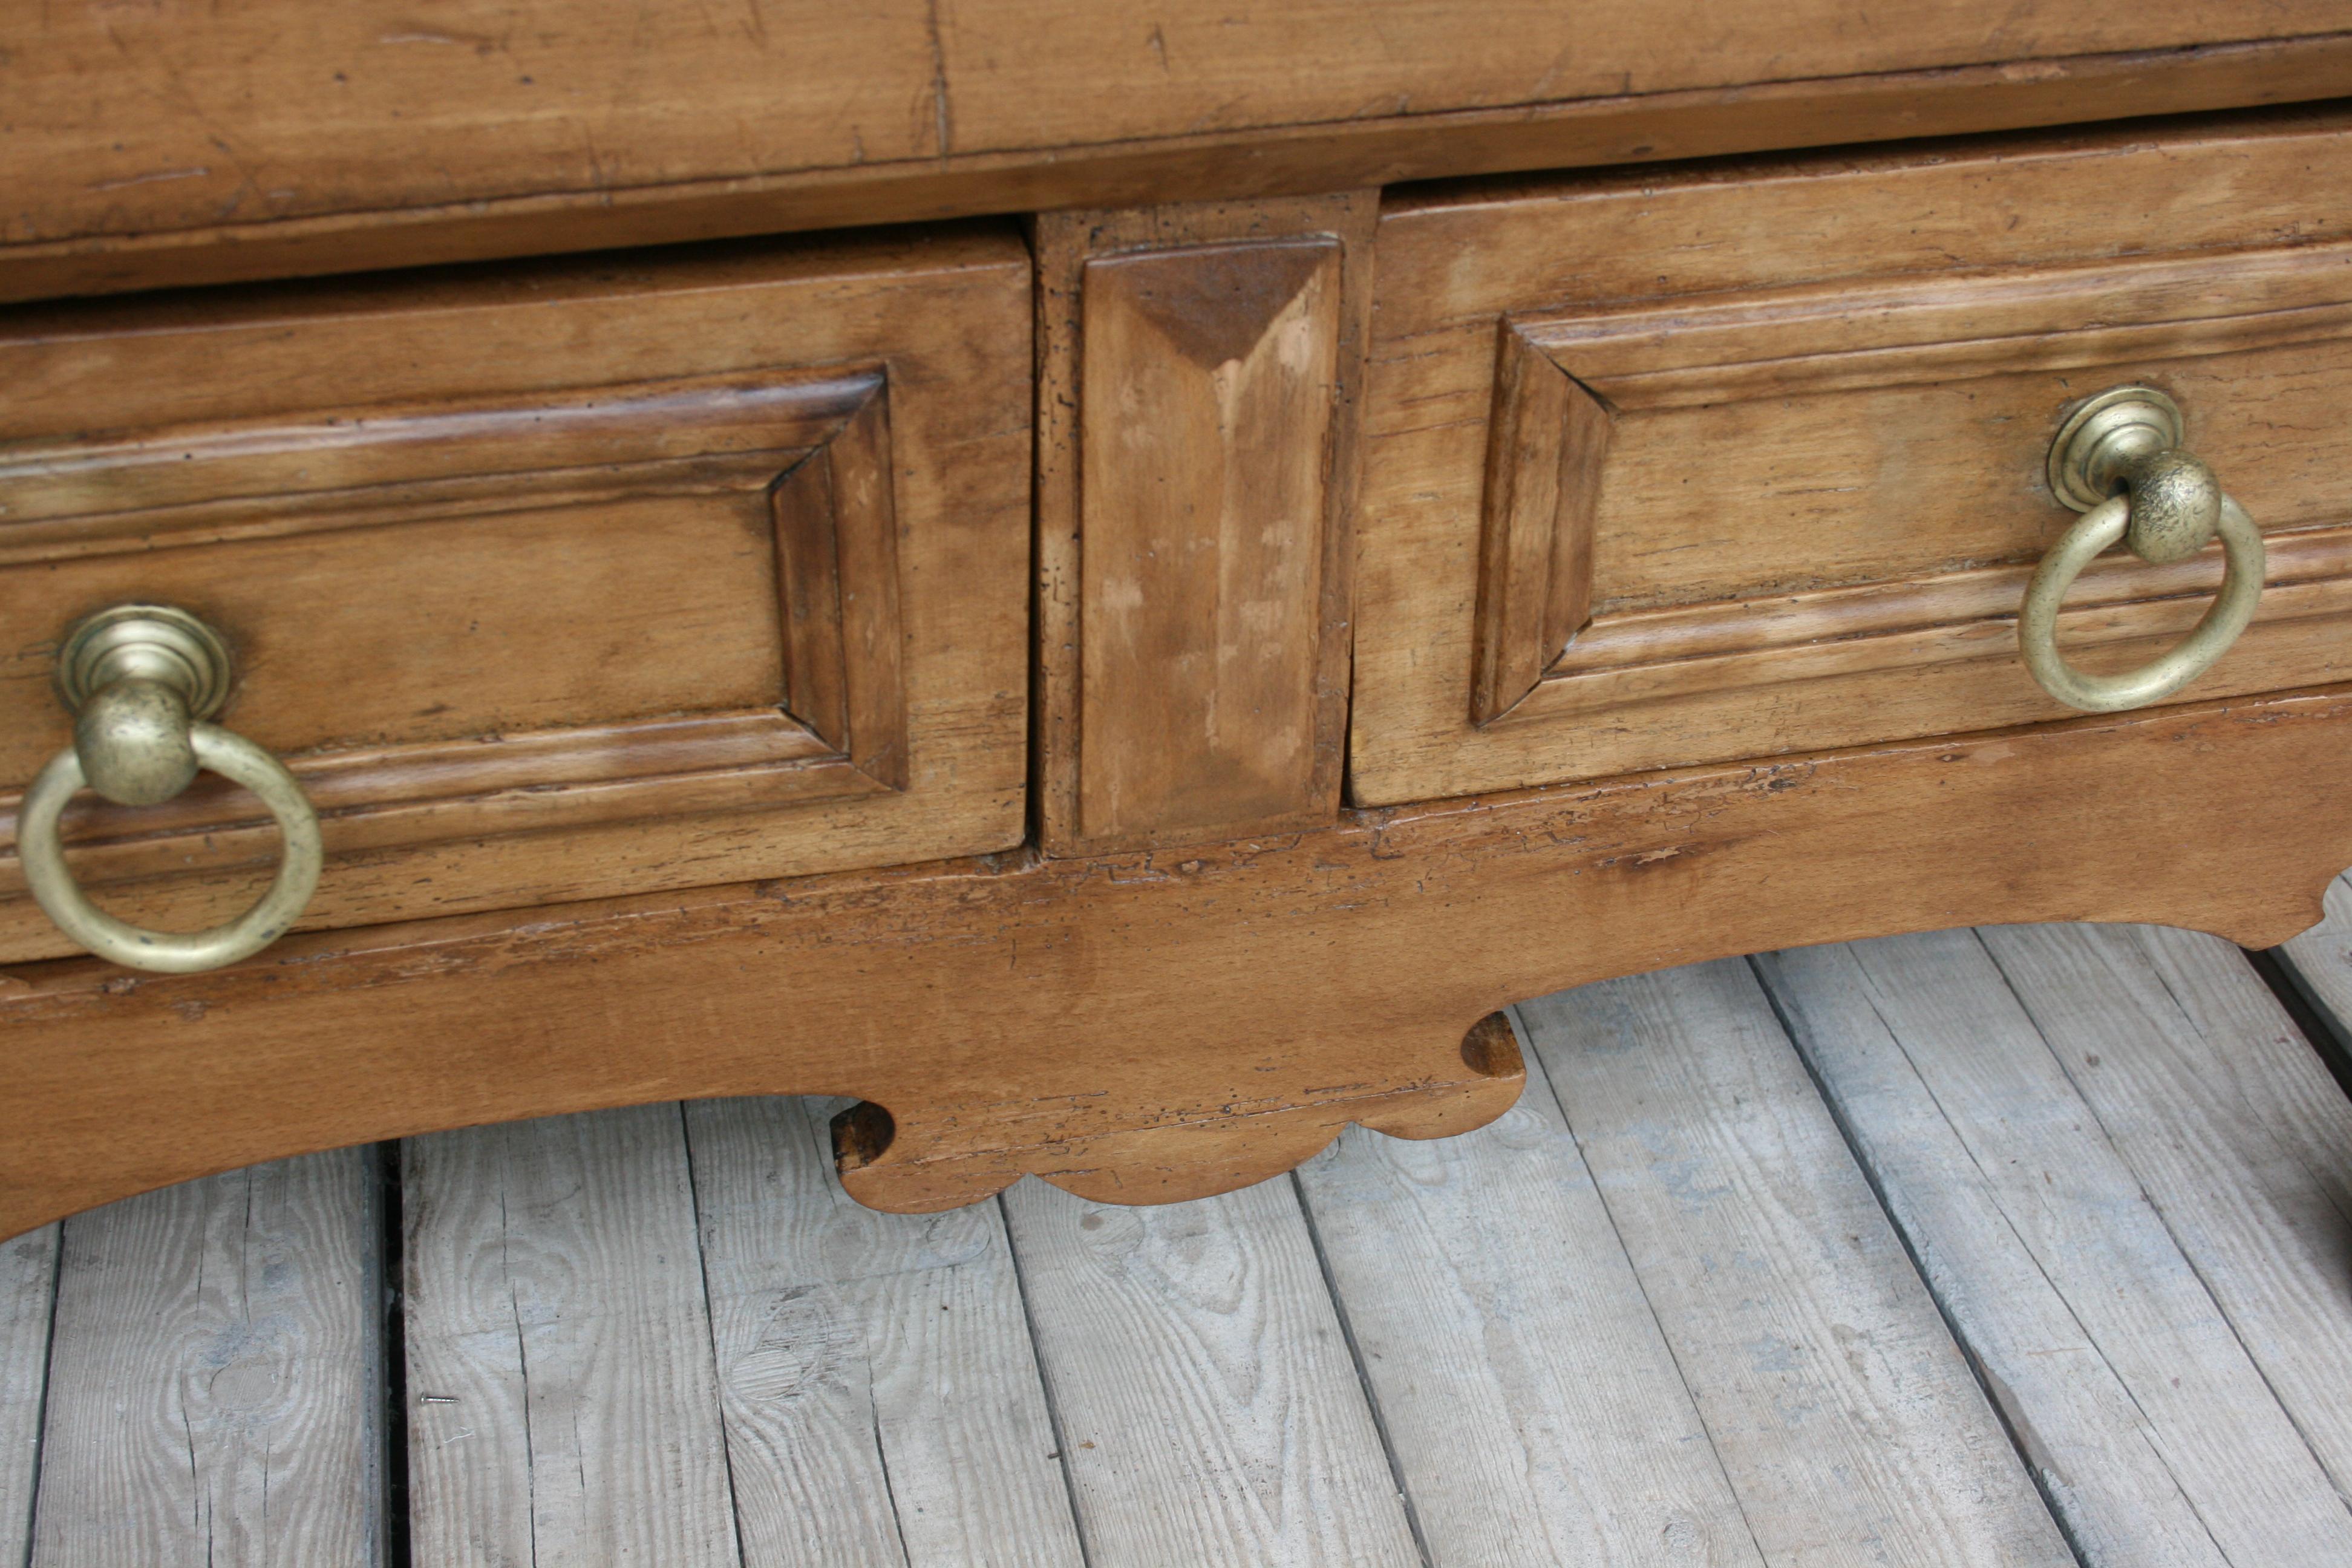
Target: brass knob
(2118,460)
(141,681)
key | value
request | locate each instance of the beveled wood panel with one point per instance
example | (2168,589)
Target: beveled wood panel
(1207,405)
(1723,506)
(1195,478)
(1544,462)
(525,631)
(167,148)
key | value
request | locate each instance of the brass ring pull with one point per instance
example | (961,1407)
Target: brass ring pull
(2171,507)
(142,679)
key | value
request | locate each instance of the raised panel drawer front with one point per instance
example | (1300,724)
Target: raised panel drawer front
(546,582)
(1748,459)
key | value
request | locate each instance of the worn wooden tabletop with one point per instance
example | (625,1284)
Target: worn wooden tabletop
(2024,1245)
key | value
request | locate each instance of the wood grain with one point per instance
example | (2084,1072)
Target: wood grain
(1199,375)
(216,1390)
(566,677)
(1203,1389)
(1372,139)
(1544,463)
(2235,1132)
(1208,390)
(1841,1407)
(563,1398)
(1834,381)
(875,1376)
(1876,431)
(1534,1409)
(836,543)
(28,1290)
(2149,1426)
(1154,1027)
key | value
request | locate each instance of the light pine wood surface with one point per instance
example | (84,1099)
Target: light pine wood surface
(2019,1246)
(170,149)
(587,608)
(1875,348)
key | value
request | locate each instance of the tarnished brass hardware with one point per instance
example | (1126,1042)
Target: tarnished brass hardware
(143,681)
(2101,438)
(2119,460)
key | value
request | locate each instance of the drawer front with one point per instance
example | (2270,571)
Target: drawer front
(546,584)
(1746,461)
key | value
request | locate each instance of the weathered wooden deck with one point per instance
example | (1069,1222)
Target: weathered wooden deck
(2020,1246)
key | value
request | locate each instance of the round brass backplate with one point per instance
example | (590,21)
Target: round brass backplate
(145,642)
(2104,435)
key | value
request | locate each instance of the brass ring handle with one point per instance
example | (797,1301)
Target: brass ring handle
(142,679)
(2101,529)
(2169,506)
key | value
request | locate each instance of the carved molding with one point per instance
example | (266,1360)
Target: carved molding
(1548,439)
(1197,412)
(1569,391)
(804,460)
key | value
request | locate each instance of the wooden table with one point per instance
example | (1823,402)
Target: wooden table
(1548,488)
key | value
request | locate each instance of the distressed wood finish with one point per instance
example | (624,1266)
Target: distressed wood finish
(551,582)
(1549,438)
(2154,1433)
(563,1393)
(216,1385)
(1721,577)
(1186,1069)
(1534,1409)
(1199,376)
(200,161)
(1829,390)
(1201,1337)
(837,541)
(875,1376)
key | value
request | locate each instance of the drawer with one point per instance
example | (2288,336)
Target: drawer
(1748,460)
(547,584)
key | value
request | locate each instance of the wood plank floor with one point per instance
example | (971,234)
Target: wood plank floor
(2020,1246)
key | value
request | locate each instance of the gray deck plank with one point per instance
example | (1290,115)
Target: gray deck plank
(1533,1406)
(216,1376)
(28,1283)
(2152,1430)
(562,1391)
(881,1395)
(2234,1129)
(1205,1397)
(1847,1419)
(2319,963)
